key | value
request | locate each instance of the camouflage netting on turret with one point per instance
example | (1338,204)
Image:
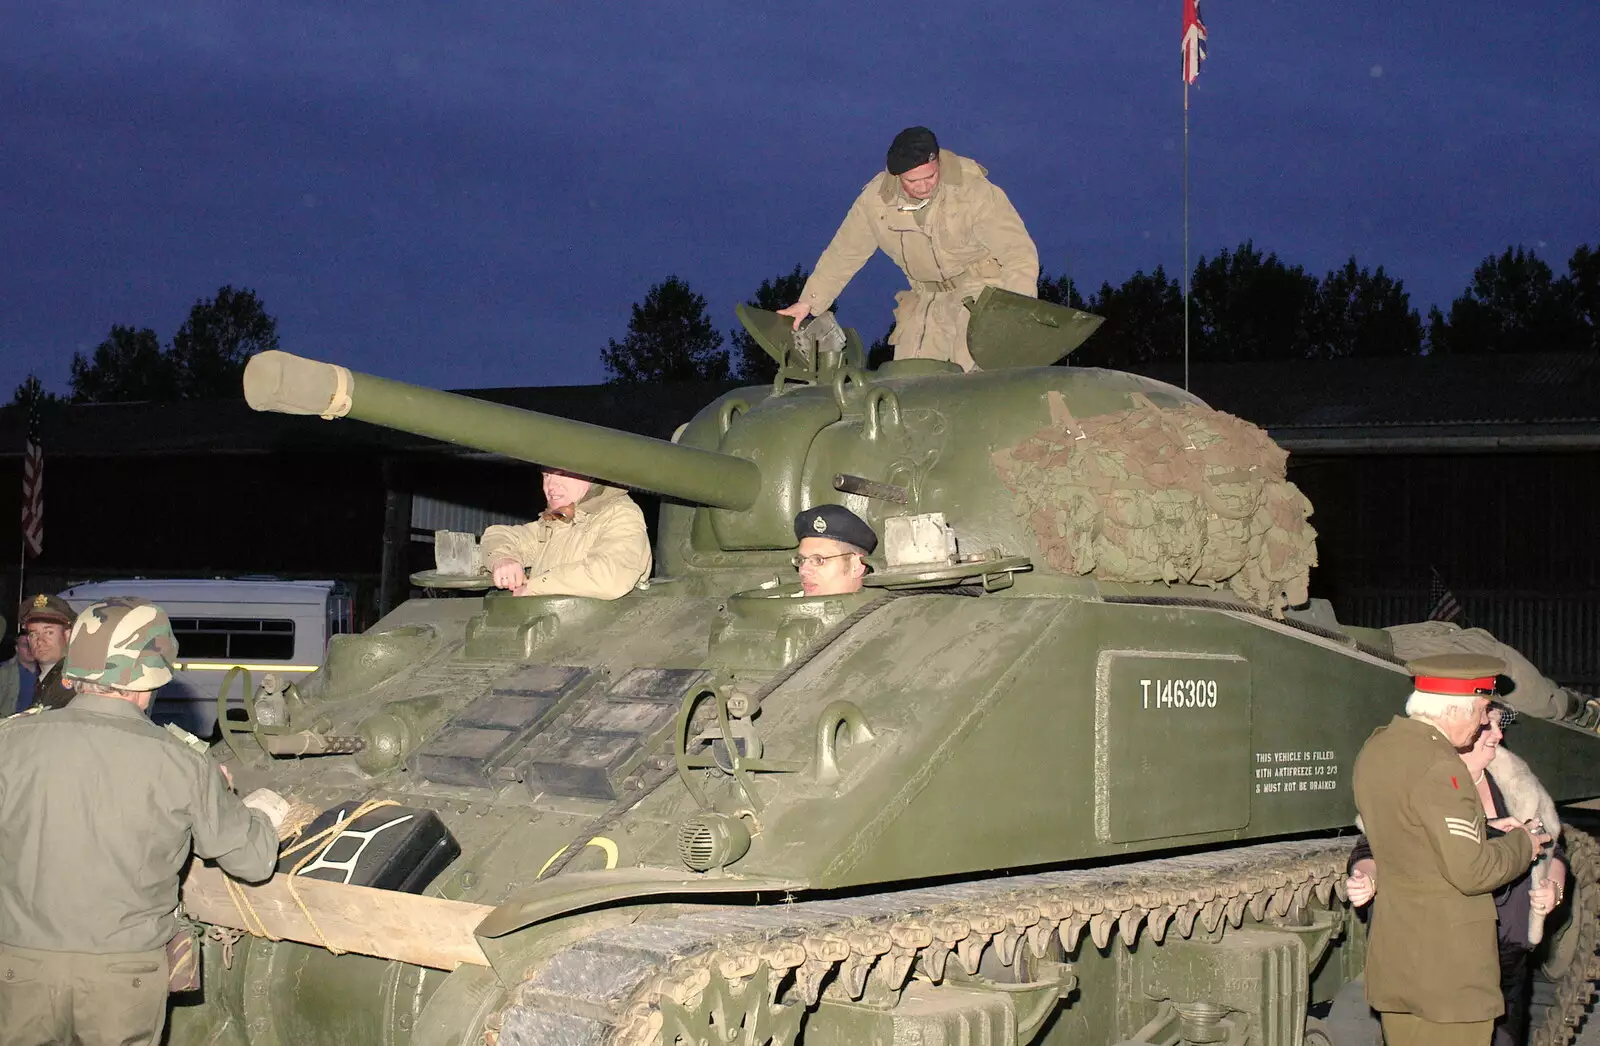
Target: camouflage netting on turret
(1532,693)
(1187,494)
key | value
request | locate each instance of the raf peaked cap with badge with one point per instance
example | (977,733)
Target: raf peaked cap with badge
(836,522)
(1456,675)
(53,609)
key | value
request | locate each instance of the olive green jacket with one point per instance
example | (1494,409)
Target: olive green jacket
(99,809)
(10,687)
(601,553)
(969,236)
(1433,951)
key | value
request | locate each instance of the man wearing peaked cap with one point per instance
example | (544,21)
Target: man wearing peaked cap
(1433,971)
(834,544)
(46,620)
(99,809)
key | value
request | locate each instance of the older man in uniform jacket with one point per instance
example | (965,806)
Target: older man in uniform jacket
(951,231)
(99,809)
(1433,970)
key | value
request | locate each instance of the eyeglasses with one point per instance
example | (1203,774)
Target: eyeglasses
(815,562)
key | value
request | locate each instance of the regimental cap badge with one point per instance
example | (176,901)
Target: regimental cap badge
(41,601)
(819,524)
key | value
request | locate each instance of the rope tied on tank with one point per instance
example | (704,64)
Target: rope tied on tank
(315,846)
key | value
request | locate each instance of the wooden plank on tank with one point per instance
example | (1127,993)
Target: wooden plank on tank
(405,927)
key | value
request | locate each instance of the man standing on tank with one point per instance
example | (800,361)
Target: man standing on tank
(949,229)
(1433,971)
(834,545)
(99,809)
(589,541)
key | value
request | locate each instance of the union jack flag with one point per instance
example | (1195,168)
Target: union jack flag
(1194,40)
(1446,607)
(33,484)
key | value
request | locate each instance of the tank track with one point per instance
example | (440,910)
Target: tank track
(642,985)
(645,984)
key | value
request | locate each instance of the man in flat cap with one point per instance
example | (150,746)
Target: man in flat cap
(949,229)
(1433,971)
(834,545)
(16,676)
(99,810)
(46,620)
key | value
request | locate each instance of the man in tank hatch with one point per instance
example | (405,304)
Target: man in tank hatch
(589,541)
(834,545)
(949,229)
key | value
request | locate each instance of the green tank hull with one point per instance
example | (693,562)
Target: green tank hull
(985,799)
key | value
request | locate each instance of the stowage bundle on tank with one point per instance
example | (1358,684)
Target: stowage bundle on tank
(1187,494)
(1532,692)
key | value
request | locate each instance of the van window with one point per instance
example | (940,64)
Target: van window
(233,639)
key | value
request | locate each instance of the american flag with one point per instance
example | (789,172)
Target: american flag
(1446,607)
(33,485)
(1194,40)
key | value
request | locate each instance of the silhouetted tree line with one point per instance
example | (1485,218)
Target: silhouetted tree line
(1243,305)
(204,360)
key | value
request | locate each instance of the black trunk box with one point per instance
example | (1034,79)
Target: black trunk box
(391,848)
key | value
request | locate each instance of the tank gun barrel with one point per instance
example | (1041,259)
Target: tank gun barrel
(289,384)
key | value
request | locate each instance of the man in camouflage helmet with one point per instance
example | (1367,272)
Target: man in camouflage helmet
(99,808)
(1433,971)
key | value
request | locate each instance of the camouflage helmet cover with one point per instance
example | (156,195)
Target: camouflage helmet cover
(122,642)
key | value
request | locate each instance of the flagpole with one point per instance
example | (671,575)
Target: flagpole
(1186,234)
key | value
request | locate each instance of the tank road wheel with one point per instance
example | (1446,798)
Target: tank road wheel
(740,1011)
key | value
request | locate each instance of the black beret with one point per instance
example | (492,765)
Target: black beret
(836,522)
(912,147)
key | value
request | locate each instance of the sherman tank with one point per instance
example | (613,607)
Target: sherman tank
(1073,766)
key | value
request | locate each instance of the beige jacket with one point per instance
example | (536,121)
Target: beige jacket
(968,237)
(602,553)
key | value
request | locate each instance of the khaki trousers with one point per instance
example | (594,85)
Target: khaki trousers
(96,1000)
(1406,1029)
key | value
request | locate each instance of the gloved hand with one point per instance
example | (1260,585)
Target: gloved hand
(275,806)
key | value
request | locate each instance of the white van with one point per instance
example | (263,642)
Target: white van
(264,625)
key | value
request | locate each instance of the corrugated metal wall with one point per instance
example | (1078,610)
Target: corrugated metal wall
(1558,632)
(430,514)
(1512,535)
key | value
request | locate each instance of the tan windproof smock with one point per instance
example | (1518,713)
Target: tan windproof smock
(602,552)
(966,238)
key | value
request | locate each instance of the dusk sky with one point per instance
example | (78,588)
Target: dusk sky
(471,195)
